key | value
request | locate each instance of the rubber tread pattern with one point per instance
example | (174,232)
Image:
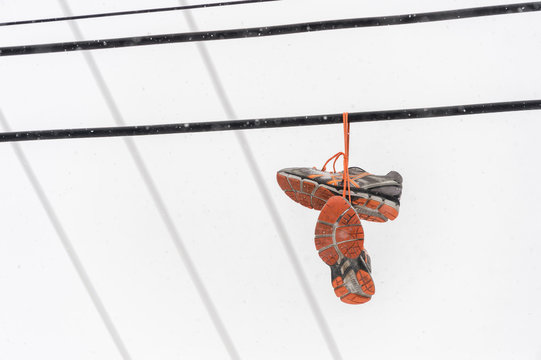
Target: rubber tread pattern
(314,196)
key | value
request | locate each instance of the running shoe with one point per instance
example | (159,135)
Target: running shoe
(339,240)
(374,197)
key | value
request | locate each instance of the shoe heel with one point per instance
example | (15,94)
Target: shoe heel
(375,210)
(352,289)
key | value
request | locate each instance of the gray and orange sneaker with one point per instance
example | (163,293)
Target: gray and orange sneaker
(374,197)
(339,240)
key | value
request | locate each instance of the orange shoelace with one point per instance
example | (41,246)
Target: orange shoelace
(345,154)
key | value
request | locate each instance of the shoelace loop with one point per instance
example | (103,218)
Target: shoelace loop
(345,177)
(335,157)
(345,154)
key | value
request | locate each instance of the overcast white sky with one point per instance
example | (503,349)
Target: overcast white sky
(457,274)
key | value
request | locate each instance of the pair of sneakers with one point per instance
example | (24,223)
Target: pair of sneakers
(339,235)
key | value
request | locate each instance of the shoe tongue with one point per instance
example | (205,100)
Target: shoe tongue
(356,168)
(395,176)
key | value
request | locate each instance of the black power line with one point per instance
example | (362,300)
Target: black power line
(251,124)
(132,12)
(272,30)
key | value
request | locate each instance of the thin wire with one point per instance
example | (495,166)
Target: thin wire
(182,250)
(267,198)
(252,124)
(68,247)
(272,30)
(132,12)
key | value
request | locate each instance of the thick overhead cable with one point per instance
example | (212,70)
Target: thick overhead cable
(251,124)
(272,30)
(132,12)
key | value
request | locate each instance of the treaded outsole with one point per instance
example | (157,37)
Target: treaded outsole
(341,289)
(339,240)
(313,195)
(338,232)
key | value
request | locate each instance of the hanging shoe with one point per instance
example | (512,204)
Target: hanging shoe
(339,240)
(374,197)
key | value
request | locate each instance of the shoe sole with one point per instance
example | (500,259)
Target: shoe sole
(313,195)
(339,238)
(355,287)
